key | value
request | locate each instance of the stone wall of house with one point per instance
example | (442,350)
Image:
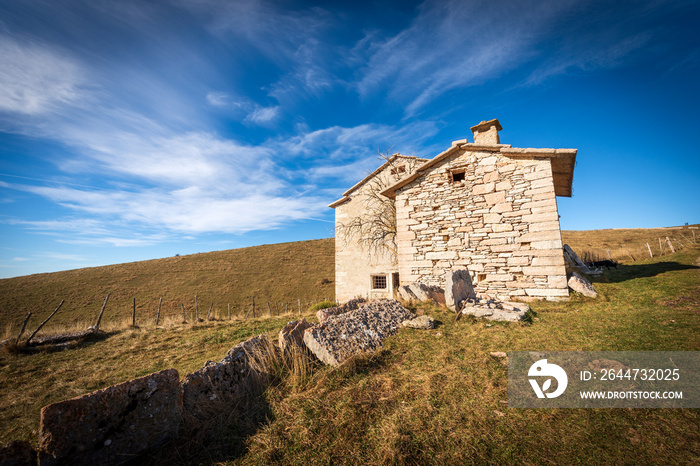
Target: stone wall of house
(355,263)
(501,223)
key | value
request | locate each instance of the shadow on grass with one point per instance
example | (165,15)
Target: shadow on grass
(629,272)
(218,436)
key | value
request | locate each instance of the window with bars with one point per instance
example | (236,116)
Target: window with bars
(379,282)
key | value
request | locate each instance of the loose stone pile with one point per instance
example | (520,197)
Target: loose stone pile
(495,310)
(323,314)
(361,330)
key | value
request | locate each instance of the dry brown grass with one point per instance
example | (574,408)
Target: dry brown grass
(279,274)
(627,245)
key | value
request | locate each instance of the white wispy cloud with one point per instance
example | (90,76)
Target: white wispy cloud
(449,44)
(455,44)
(263,115)
(36,78)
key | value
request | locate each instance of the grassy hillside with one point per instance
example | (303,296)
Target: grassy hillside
(629,244)
(275,273)
(427,397)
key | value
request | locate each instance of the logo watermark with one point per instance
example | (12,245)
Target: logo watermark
(543,369)
(604,379)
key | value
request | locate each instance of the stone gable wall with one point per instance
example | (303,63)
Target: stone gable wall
(354,262)
(501,223)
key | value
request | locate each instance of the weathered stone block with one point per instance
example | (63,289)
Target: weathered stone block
(111,425)
(491,176)
(548,260)
(540,236)
(421,322)
(557,281)
(483,188)
(554,245)
(547,292)
(359,331)
(502,227)
(226,379)
(545,270)
(492,218)
(502,207)
(292,334)
(405,292)
(458,287)
(541,217)
(495,198)
(543,226)
(583,286)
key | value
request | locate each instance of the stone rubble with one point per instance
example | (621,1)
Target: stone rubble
(361,330)
(323,314)
(494,310)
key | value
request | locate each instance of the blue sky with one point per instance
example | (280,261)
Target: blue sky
(135,130)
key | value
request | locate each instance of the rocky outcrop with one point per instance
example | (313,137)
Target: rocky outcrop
(583,286)
(293,334)
(225,380)
(362,330)
(323,314)
(421,322)
(458,287)
(112,425)
(494,310)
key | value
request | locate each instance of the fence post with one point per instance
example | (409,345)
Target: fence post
(24,325)
(670,245)
(133,314)
(44,322)
(209,313)
(229,311)
(649,248)
(299,303)
(184,319)
(160,301)
(196,310)
(99,318)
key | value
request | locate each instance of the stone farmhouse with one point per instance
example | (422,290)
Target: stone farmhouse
(482,206)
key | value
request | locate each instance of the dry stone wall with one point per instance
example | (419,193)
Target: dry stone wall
(500,222)
(117,423)
(112,425)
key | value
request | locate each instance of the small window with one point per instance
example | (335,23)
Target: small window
(458,176)
(398,170)
(379,282)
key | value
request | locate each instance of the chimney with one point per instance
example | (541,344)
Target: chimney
(486,132)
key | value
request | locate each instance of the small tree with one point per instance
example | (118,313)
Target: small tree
(375,229)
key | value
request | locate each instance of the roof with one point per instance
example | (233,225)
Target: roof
(346,194)
(563,162)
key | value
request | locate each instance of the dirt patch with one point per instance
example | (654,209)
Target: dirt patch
(684,303)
